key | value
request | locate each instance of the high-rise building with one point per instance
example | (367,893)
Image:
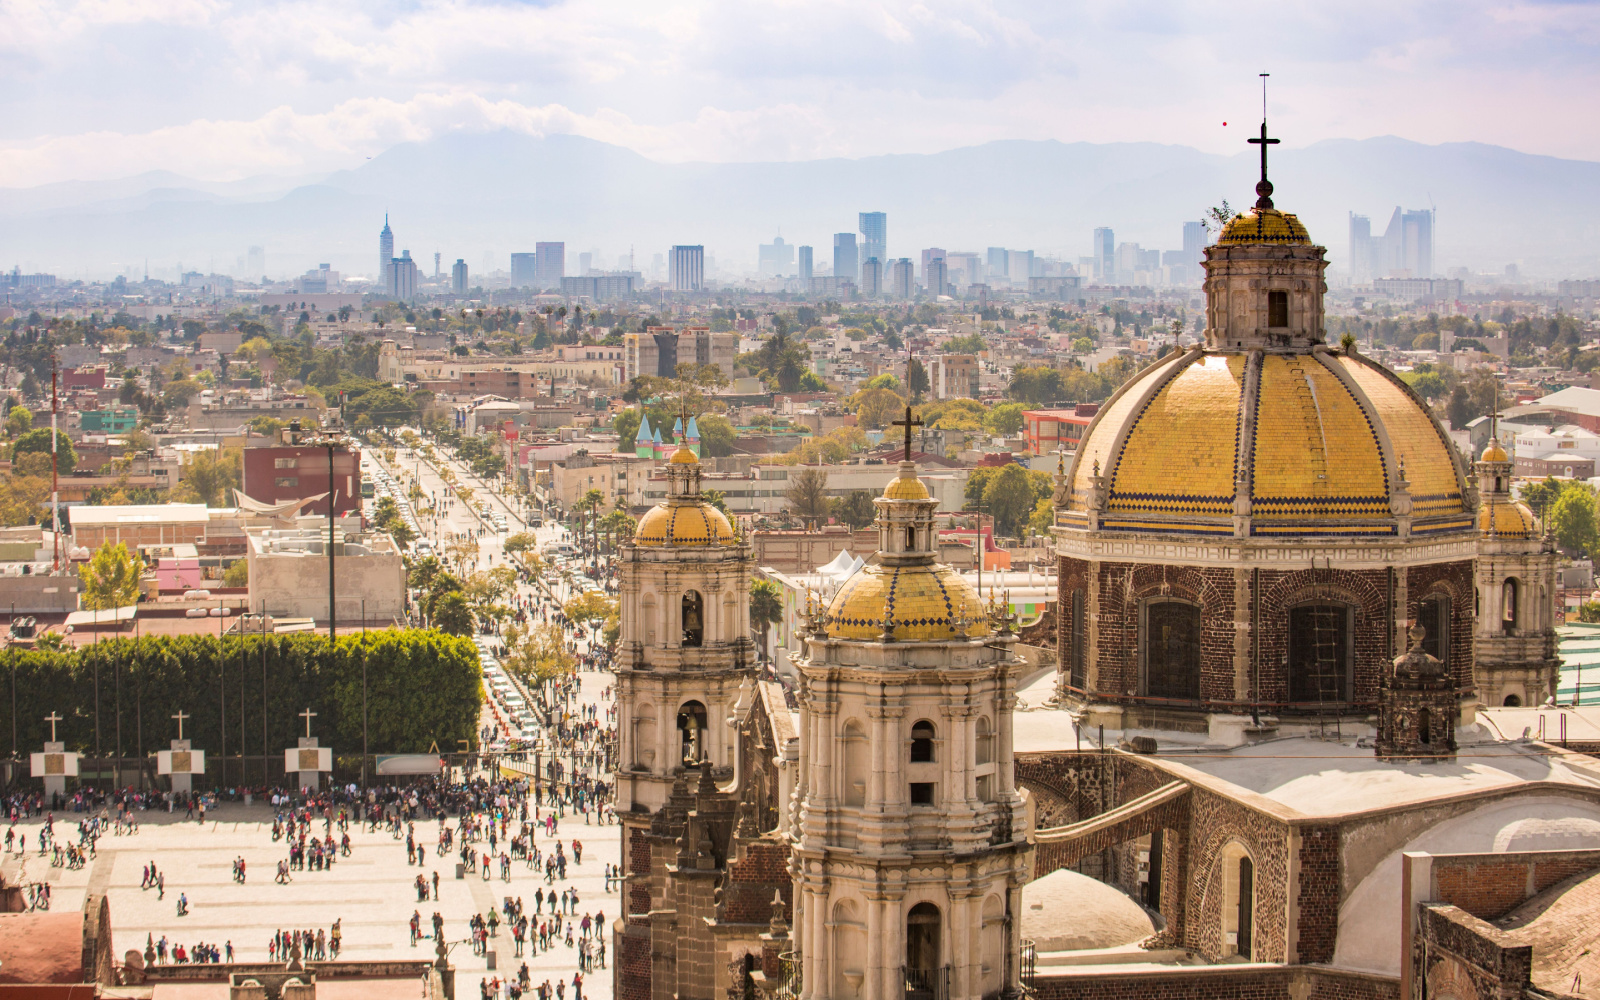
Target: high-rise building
(255,263)
(459,281)
(1405,250)
(928,255)
(1021,267)
(437,257)
(874,228)
(1104,252)
(524,270)
(804,267)
(934,277)
(550,264)
(999,263)
(846,257)
(1194,242)
(686,268)
(902,280)
(585,262)
(775,259)
(872,277)
(403,277)
(385,254)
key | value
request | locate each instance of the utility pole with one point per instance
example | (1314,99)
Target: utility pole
(55,483)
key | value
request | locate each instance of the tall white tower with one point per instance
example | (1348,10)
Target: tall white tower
(386,256)
(910,838)
(685,648)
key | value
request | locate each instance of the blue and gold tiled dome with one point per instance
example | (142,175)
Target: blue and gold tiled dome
(678,524)
(923,604)
(1311,442)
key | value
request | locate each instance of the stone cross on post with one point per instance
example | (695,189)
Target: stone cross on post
(1264,186)
(908,423)
(308,715)
(53,718)
(180,717)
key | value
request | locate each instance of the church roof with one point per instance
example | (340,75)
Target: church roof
(1264,225)
(675,524)
(922,603)
(693,433)
(1508,520)
(644,428)
(1313,438)
(1494,453)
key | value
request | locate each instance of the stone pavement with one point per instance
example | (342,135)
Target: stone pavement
(371,891)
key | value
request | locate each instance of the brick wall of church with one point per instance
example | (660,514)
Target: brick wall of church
(1318,929)
(1456,580)
(1256,983)
(1124,587)
(752,879)
(1365,590)
(1214,823)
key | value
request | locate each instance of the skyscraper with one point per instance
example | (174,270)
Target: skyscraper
(999,262)
(773,260)
(1194,242)
(874,228)
(403,277)
(550,265)
(902,285)
(524,270)
(1404,250)
(928,255)
(686,268)
(804,268)
(437,257)
(385,255)
(846,257)
(1104,251)
(458,277)
(1021,269)
(872,277)
(933,276)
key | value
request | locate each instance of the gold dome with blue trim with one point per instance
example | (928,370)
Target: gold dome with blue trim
(685,518)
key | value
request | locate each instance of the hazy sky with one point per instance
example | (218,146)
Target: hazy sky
(221,90)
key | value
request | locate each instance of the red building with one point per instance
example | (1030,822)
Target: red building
(1050,431)
(273,475)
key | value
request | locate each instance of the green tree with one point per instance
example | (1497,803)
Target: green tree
(452,615)
(917,380)
(886,380)
(716,435)
(626,424)
(18,421)
(1009,498)
(808,494)
(875,406)
(1573,518)
(208,476)
(1044,515)
(766,607)
(522,541)
(38,440)
(237,575)
(854,508)
(1541,496)
(1005,419)
(110,578)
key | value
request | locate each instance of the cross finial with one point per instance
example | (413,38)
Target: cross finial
(52,718)
(180,717)
(1264,186)
(908,423)
(308,715)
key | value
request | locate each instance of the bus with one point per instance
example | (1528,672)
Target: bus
(368,491)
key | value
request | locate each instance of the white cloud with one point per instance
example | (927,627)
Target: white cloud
(228,88)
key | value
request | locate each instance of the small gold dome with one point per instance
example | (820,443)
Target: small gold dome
(683,456)
(906,488)
(1494,453)
(923,604)
(1264,225)
(1508,520)
(685,524)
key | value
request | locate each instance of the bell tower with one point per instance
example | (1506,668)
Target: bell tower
(910,839)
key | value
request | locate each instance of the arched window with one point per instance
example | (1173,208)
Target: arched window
(922,953)
(691,732)
(1171,650)
(1508,605)
(1433,614)
(854,751)
(1077,645)
(922,742)
(1424,727)
(1319,653)
(1512,701)
(1239,905)
(694,618)
(985,748)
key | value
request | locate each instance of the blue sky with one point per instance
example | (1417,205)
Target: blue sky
(221,90)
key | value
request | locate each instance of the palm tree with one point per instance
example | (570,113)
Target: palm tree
(766,608)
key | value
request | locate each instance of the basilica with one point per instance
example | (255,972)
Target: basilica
(1300,649)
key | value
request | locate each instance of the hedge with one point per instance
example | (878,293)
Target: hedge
(424,688)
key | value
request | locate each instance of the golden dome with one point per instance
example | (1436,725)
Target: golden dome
(688,524)
(1494,453)
(906,488)
(922,603)
(1264,225)
(1300,431)
(1508,520)
(683,456)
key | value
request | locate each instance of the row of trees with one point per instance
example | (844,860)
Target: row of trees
(422,688)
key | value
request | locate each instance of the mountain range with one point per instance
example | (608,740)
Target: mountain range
(481,196)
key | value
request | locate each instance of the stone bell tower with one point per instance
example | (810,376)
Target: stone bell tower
(1417,706)
(910,843)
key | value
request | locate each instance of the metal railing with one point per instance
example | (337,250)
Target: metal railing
(1029,962)
(789,977)
(926,984)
